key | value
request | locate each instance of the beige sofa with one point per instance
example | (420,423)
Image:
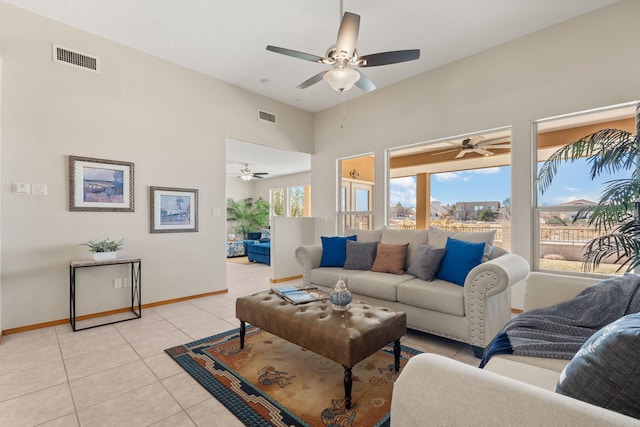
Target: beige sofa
(510,390)
(473,313)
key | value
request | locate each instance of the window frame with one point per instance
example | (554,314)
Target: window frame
(537,209)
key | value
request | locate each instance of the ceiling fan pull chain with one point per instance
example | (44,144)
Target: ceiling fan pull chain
(343,111)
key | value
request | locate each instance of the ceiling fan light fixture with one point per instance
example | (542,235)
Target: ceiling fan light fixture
(341,79)
(245,178)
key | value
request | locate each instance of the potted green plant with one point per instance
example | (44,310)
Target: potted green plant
(105,249)
(249,214)
(616,217)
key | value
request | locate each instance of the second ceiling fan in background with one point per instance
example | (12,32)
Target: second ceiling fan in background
(477,145)
(247,175)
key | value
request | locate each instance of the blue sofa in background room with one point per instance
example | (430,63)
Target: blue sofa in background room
(259,250)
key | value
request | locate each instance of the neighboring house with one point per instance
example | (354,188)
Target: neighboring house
(579,202)
(469,211)
(439,210)
(172,123)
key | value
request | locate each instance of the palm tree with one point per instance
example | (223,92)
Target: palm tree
(615,217)
(249,214)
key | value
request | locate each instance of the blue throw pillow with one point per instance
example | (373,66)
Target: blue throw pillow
(334,250)
(253,235)
(606,370)
(459,259)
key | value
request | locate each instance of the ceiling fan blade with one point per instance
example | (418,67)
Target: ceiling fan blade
(444,152)
(493,141)
(364,83)
(461,154)
(483,151)
(348,34)
(261,173)
(257,176)
(295,53)
(498,146)
(393,57)
(311,81)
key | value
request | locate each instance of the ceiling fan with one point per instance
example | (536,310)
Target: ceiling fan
(343,57)
(247,175)
(476,145)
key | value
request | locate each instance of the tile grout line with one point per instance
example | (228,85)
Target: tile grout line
(66,373)
(160,381)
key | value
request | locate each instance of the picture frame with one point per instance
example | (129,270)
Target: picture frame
(173,210)
(99,185)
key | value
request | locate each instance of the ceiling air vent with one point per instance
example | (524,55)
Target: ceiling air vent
(67,56)
(266,117)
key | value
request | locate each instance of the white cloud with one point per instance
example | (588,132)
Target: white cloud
(465,176)
(405,182)
(448,176)
(486,171)
(403,191)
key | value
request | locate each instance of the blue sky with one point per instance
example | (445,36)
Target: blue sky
(489,184)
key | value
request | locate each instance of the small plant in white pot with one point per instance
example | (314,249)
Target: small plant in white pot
(105,249)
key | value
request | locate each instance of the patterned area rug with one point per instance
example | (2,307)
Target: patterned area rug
(272,382)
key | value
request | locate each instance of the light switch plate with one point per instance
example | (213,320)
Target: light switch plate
(21,188)
(39,189)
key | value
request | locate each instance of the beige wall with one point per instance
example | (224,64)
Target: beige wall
(171,122)
(1,329)
(577,65)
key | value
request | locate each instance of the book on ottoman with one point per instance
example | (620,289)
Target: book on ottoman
(300,294)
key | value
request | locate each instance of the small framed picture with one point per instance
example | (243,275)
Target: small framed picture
(97,185)
(174,210)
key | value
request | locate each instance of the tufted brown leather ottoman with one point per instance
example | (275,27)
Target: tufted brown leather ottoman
(344,337)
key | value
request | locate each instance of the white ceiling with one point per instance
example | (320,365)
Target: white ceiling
(226,39)
(260,158)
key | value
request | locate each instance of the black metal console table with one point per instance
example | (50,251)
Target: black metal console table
(136,287)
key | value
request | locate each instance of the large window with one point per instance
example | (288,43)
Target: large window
(292,201)
(277,201)
(456,184)
(561,233)
(296,201)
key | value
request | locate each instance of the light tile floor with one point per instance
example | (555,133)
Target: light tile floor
(119,375)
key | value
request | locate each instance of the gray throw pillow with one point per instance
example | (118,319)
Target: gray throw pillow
(606,370)
(360,255)
(426,262)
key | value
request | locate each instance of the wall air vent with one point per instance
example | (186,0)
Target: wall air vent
(67,56)
(266,117)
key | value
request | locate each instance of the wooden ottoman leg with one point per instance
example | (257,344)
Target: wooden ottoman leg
(348,382)
(396,354)
(243,331)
